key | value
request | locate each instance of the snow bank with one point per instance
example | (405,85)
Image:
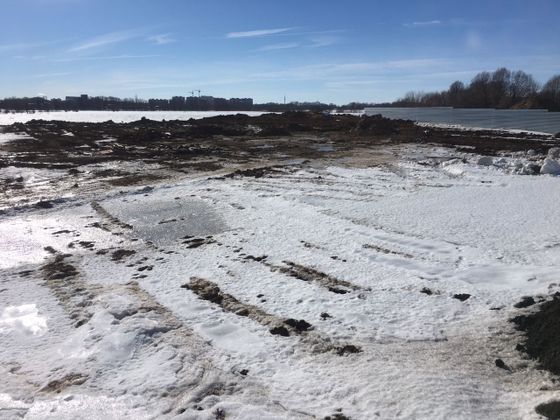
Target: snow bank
(550,166)
(24,319)
(8,137)
(554,152)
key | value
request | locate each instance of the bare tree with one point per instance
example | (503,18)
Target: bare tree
(455,93)
(550,93)
(522,87)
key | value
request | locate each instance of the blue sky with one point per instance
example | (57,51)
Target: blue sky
(307,50)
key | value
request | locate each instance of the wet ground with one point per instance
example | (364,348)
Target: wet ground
(289,266)
(73,158)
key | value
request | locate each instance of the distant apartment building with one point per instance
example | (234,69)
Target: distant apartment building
(241,104)
(157,104)
(177,103)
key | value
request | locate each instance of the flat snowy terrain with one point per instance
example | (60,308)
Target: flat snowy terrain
(116,116)
(313,291)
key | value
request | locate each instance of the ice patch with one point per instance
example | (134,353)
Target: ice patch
(486,161)
(24,319)
(163,221)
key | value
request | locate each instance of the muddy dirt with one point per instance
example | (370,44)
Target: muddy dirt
(550,410)
(327,281)
(209,291)
(542,334)
(226,146)
(58,385)
(283,327)
(119,254)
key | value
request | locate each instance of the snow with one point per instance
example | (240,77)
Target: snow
(550,166)
(24,319)
(116,116)
(554,152)
(9,137)
(150,348)
(464,127)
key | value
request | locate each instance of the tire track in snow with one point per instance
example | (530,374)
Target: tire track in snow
(193,382)
(111,221)
(75,295)
(209,291)
(308,274)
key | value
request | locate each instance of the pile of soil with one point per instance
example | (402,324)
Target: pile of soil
(542,331)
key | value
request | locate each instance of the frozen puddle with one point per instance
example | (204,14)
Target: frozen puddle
(166,220)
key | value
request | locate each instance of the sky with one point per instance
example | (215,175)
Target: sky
(320,50)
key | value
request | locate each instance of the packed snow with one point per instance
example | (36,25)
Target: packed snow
(9,137)
(406,272)
(115,116)
(24,319)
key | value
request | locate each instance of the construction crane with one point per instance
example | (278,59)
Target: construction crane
(191,92)
(198,92)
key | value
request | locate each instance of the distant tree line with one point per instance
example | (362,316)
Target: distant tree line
(109,103)
(501,89)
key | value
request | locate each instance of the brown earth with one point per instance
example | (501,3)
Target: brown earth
(234,146)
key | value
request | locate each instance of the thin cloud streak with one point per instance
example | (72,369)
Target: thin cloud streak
(434,22)
(109,57)
(49,75)
(104,40)
(283,46)
(161,39)
(323,41)
(24,46)
(257,33)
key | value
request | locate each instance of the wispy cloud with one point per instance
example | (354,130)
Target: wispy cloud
(161,39)
(50,75)
(424,23)
(257,33)
(323,41)
(20,46)
(281,46)
(104,40)
(98,58)
(328,71)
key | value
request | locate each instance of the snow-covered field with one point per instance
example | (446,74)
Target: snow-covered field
(172,301)
(115,116)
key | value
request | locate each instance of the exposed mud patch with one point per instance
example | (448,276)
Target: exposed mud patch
(284,327)
(550,410)
(120,254)
(256,172)
(71,291)
(337,416)
(134,179)
(194,242)
(308,274)
(461,296)
(387,251)
(59,385)
(525,302)
(542,334)
(209,291)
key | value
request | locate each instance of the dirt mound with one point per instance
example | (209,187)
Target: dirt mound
(542,331)
(550,410)
(378,125)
